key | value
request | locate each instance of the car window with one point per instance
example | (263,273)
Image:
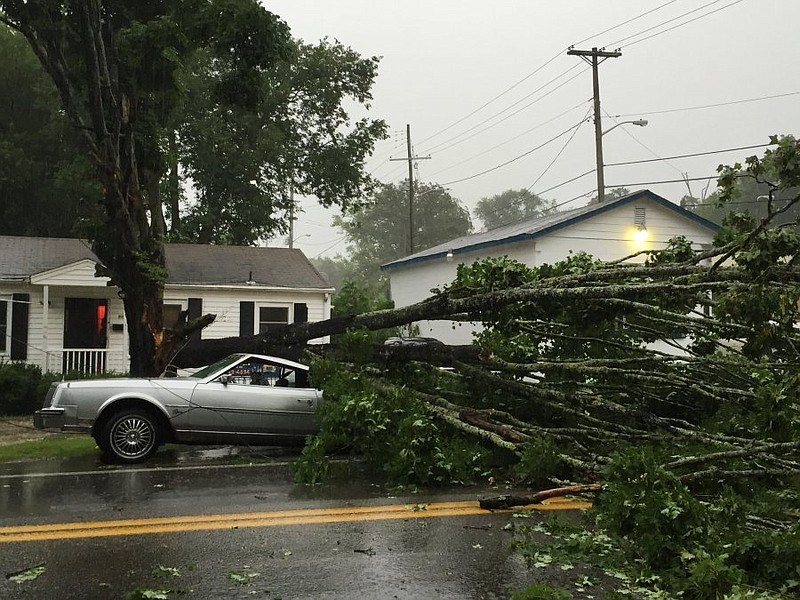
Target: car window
(213,368)
(257,371)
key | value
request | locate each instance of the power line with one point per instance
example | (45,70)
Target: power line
(552,162)
(678,156)
(644,14)
(563,183)
(679,24)
(668,21)
(516,137)
(560,152)
(542,66)
(704,106)
(516,158)
(497,114)
(643,183)
(336,243)
(500,95)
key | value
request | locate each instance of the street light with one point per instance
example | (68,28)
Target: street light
(291,241)
(637,122)
(601,179)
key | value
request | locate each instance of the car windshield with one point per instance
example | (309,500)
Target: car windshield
(217,366)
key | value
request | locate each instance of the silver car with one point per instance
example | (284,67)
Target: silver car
(242,399)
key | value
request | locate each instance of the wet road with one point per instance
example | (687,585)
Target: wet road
(206,530)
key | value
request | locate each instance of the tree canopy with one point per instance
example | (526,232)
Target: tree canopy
(296,137)
(124,72)
(512,206)
(611,194)
(378,233)
(47,186)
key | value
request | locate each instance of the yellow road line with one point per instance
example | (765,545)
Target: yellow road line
(58,531)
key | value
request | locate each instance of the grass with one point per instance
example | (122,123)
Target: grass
(60,446)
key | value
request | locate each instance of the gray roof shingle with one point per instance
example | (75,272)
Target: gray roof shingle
(21,257)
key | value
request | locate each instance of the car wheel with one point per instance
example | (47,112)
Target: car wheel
(130,436)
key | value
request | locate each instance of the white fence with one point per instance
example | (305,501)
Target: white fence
(88,361)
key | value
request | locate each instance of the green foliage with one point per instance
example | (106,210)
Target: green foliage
(611,194)
(297,133)
(512,206)
(701,549)
(646,504)
(763,184)
(47,184)
(719,557)
(390,428)
(22,388)
(539,461)
(540,591)
(378,233)
(488,275)
(359,297)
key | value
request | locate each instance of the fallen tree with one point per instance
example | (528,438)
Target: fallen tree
(567,356)
(693,449)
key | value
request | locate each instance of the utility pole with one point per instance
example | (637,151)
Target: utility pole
(291,217)
(592,57)
(410,158)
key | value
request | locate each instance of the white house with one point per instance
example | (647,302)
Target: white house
(56,313)
(608,231)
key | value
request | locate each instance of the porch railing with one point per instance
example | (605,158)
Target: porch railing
(88,361)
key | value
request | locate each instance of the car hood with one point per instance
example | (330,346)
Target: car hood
(132,383)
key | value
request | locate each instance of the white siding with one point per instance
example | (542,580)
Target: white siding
(45,350)
(225,304)
(79,274)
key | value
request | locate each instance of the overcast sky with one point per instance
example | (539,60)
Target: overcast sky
(708,75)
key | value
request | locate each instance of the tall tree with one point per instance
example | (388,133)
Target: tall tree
(378,233)
(611,194)
(297,137)
(512,206)
(121,70)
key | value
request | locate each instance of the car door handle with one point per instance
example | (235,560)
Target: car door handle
(309,401)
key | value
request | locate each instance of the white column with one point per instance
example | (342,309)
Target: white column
(46,326)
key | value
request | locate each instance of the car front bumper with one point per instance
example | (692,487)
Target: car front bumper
(49,418)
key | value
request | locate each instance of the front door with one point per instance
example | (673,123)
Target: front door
(85,330)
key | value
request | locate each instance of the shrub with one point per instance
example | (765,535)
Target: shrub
(20,388)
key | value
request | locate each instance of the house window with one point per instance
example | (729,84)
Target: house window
(272,315)
(172,315)
(5,325)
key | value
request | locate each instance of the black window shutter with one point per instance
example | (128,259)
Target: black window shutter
(194,310)
(247,318)
(20,308)
(300,312)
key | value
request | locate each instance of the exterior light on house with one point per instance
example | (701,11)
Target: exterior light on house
(449,256)
(640,234)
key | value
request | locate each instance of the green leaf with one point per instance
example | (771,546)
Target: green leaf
(26,574)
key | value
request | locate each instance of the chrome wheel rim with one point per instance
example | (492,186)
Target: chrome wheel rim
(132,436)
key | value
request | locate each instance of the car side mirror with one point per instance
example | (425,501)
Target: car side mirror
(224,380)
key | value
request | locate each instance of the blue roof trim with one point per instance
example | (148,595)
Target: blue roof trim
(568,221)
